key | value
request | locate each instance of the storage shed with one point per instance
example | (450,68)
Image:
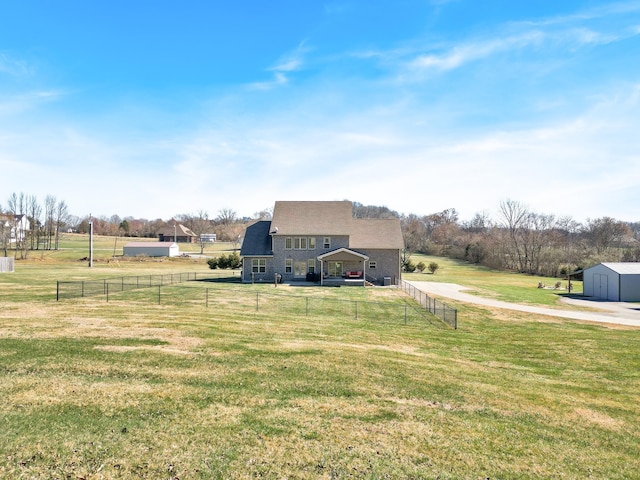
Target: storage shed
(151,249)
(617,282)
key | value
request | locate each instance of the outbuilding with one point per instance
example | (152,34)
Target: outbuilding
(151,249)
(617,282)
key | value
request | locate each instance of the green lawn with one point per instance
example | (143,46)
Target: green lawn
(132,389)
(505,286)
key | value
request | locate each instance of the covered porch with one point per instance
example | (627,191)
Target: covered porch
(343,267)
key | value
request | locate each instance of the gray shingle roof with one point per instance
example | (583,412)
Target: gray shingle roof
(376,233)
(312,218)
(257,241)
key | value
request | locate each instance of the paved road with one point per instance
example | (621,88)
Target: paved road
(620,313)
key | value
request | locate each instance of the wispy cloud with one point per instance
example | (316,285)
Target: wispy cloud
(285,66)
(14,67)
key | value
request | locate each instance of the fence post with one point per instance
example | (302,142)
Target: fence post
(57,290)
(107,291)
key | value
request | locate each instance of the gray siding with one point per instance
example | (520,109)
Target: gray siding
(630,288)
(280,253)
(387,265)
(266,277)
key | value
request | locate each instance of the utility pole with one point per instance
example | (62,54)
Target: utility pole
(90,241)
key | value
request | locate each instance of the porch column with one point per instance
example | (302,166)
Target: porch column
(321,273)
(364,273)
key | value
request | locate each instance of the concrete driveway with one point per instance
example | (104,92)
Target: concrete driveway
(620,313)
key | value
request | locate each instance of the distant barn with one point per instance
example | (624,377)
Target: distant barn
(617,282)
(151,249)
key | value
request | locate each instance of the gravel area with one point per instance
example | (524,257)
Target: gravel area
(621,313)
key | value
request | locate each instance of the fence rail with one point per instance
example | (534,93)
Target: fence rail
(167,290)
(105,286)
(249,301)
(447,314)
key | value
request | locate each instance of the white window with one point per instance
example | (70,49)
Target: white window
(312,243)
(326,242)
(300,243)
(287,243)
(372,265)
(311,265)
(259,265)
(288,265)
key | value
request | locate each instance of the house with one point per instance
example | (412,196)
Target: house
(208,237)
(151,249)
(321,241)
(176,232)
(14,227)
(617,282)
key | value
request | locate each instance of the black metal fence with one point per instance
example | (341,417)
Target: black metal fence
(169,289)
(447,314)
(247,300)
(106,286)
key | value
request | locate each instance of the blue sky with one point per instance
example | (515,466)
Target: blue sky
(153,109)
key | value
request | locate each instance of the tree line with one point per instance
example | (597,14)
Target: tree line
(47,220)
(518,239)
(521,239)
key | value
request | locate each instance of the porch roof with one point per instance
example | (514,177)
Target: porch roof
(342,254)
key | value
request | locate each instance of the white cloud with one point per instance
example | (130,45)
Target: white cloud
(14,67)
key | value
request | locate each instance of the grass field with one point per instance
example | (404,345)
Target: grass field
(505,286)
(132,389)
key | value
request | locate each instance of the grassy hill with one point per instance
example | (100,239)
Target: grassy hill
(132,389)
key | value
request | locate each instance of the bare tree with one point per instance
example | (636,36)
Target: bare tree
(61,218)
(17,208)
(514,217)
(226,216)
(605,233)
(49,215)
(34,212)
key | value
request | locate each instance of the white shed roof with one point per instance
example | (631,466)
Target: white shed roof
(628,268)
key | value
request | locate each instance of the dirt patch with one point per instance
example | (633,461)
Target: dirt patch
(597,418)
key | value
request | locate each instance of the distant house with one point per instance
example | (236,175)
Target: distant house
(321,241)
(208,237)
(151,249)
(176,233)
(14,227)
(618,282)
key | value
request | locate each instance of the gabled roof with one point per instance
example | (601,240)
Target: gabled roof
(629,268)
(180,231)
(376,233)
(322,218)
(312,218)
(340,251)
(257,242)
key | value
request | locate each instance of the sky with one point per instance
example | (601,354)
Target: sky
(152,109)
